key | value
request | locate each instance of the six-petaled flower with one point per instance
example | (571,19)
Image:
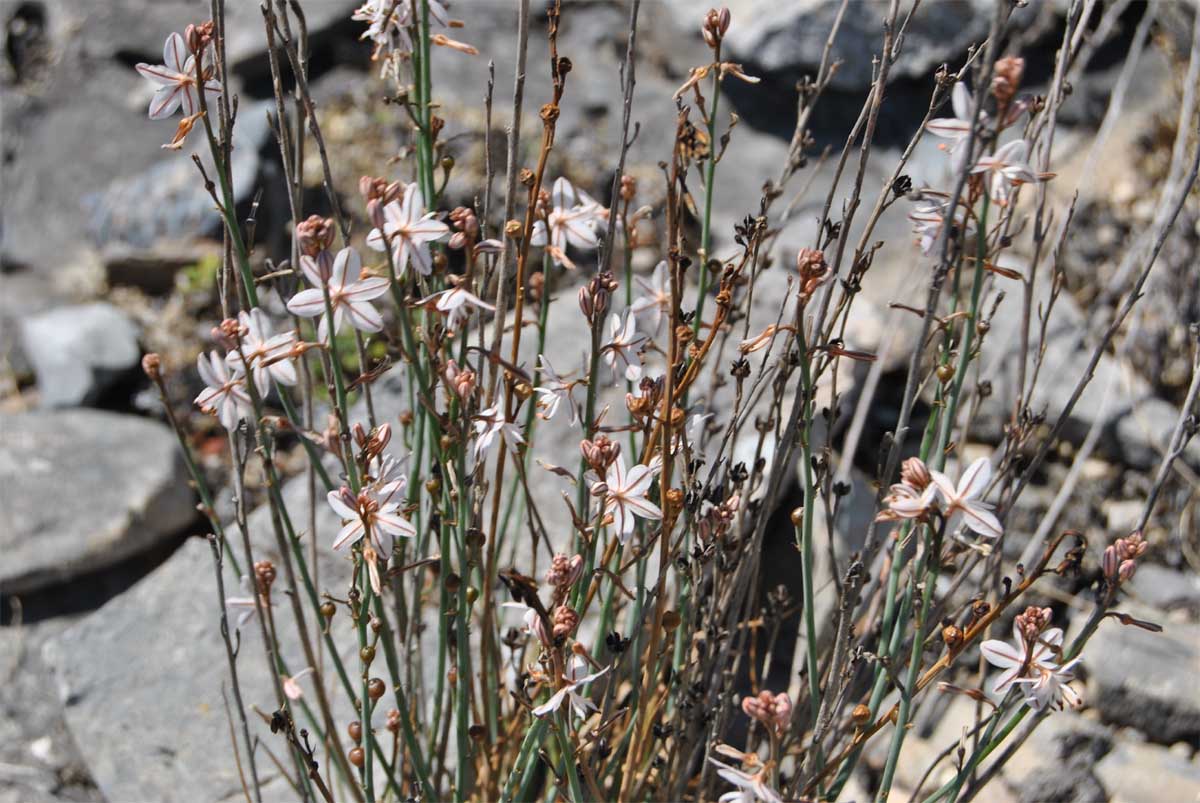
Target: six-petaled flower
(624,494)
(572,221)
(226,396)
(349,295)
(409,230)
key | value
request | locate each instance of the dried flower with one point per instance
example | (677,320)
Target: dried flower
(409,230)
(914,473)
(348,299)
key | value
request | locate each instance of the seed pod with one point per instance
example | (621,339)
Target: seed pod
(861,714)
(375,688)
(671,621)
(952,636)
(357,756)
(945,373)
(328,609)
(355,731)
(367,654)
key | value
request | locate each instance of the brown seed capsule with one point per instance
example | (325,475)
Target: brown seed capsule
(861,714)
(945,373)
(514,230)
(357,756)
(447,162)
(328,609)
(798,516)
(355,731)
(433,485)
(375,688)
(671,621)
(367,654)
(376,624)
(952,636)
(446,442)
(472,594)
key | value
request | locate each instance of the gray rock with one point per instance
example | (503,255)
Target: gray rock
(1147,681)
(149,669)
(81,490)
(787,39)
(1136,426)
(79,352)
(1166,589)
(39,760)
(1146,773)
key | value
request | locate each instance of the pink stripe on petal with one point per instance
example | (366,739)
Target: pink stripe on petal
(349,534)
(307,303)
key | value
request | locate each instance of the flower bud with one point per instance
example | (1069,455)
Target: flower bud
(565,621)
(564,571)
(1006,79)
(315,234)
(152,365)
(264,574)
(915,474)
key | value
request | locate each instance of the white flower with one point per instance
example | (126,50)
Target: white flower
(176,80)
(1037,669)
(409,229)
(348,299)
(456,304)
(977,515)
(929,217)
(1006,169)
(242,608)
(657,298)
(955,128)
(906,502)
(1051,688)
(264,352)
(572,221)
(291,686)
(625,495)
(622,347)
(387,26)
(491,422)
(575,680)
(377,509)
(555,391)
(750,787)
(226,396)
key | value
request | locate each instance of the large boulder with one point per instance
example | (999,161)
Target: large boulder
(78,353)
(82,490)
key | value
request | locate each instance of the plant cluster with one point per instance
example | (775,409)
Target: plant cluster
(486,655)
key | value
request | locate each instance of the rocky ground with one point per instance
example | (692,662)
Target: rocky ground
(111,668)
